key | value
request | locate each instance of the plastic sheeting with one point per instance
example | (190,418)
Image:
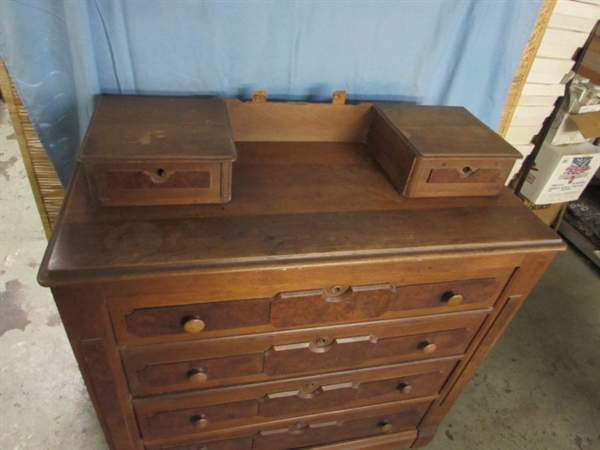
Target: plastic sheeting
(62,53)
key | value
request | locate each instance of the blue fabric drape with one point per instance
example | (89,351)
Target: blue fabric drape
(62,53)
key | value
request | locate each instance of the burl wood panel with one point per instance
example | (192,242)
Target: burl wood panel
(169,320)
(368,302)
(352,425)
(159,183)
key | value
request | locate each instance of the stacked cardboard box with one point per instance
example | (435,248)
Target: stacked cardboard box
(568,159)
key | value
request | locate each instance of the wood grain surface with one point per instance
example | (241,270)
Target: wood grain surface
(291,201)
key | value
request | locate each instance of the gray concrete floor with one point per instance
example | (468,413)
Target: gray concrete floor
(539,388)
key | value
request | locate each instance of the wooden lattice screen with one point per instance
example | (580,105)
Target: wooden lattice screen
(520,77)
(47,189)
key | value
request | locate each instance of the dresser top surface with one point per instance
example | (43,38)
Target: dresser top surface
(132,128)
(445,132)
(292,204)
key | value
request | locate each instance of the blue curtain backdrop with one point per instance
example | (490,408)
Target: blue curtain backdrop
(62,53)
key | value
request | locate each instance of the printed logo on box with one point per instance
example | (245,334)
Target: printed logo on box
(578,168)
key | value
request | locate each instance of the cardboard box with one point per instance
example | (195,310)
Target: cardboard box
(560,173)
(588,124)
(578,119)
(564,130)
(548,213)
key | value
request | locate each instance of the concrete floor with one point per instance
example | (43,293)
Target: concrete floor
(539,389)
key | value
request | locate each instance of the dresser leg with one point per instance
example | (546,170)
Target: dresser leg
(424,436)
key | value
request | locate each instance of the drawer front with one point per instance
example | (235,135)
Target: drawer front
(197,318)
(225,361)
(349,426)
(136,324)
(370,302)
(177,415)
(445,177)
(159,182)
(243,443)
(389,427)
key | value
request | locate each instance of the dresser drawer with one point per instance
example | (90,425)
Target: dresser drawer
(242,359)
(198,319)
(370,302)
(350,425)
(174,415)
(160,182)
(391,425)
(183,319)
(243,443)
(386,441)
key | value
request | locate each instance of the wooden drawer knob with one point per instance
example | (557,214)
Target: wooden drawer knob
(404,388)
(428,347)
(385,426)
(193,325)
(452,298)
(199,421)
(197,376)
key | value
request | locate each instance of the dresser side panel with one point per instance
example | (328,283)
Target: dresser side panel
(524,280)
(86,320)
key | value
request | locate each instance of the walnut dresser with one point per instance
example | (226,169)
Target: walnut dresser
(319,309)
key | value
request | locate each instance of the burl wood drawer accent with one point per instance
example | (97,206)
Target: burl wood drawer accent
(353,424)
(225,361)
(368,302)
(332,305)
(243,443)
(160,182)
(175,415)
(197,319)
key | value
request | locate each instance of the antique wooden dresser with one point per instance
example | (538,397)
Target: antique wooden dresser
(318,309)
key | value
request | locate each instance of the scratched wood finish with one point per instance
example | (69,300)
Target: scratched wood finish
(152,150)
(291,202)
